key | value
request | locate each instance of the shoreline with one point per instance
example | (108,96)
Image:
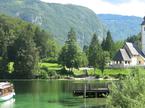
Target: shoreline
(69,78)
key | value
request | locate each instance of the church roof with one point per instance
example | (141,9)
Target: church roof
(132,48)
(122,56)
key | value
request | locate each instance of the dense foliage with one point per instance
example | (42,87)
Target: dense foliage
(129,92)
(19,45)
(94,52)
(71,55)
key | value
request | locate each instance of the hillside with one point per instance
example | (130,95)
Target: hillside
(56,18)
(120,26)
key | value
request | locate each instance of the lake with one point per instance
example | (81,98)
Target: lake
(51,94)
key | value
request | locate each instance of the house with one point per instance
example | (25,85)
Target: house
(130,55)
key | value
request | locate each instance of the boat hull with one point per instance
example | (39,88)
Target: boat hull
(7,97)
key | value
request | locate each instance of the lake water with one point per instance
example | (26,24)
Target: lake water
(51,94)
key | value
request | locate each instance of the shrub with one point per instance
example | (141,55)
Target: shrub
(129,92)
(43,74)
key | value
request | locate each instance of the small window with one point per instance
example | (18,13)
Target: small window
(139,62)
(125,62)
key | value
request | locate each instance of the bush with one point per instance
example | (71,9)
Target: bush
(43,74)
(63,71)
(129,92)
(46,73)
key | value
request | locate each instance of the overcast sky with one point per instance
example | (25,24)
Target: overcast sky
(122,7)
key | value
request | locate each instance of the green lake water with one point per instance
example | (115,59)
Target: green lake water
(51,94)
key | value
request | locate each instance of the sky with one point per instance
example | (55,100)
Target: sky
(121,7)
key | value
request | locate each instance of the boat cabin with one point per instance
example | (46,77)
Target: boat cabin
(6,88)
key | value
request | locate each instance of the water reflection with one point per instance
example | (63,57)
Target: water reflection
(53,94)
(8,104)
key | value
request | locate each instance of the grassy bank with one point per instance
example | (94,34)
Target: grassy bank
(56,70)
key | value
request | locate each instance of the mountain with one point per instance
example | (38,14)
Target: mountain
(56,18)
(120,26)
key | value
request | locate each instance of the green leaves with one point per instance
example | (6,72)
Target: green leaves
(94,52)
(70,55)
(128,93)
(26,58)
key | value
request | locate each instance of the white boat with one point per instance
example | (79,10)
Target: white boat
(6,91)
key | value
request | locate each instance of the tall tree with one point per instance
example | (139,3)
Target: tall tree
(109,44)
(70,53)
(41,39)
(103,44)
(26,62)
(94,52)
(3,54)
(86,49)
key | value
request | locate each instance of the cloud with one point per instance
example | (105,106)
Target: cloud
(117,1)
(131,7)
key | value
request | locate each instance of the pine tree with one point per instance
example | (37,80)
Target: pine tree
(109,44)
(94,52)
(103,44)
(69,51)
(71,56)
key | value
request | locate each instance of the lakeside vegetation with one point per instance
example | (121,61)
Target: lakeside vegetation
(129,92)
(26,51)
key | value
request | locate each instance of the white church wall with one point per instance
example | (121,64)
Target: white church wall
(134,61)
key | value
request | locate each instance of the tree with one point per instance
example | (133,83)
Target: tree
(41,39)
(27,56)
(109,44)
(103,60)
(81,60)
(3,54)
(86,49)
(71,55)
(94,52)
(69,51)
(103,44)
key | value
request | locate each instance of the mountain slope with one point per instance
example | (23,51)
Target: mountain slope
(120,26)
(56,18)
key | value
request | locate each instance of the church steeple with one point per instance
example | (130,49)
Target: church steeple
(143,35)
(143,23)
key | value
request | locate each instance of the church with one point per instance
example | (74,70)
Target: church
(130,55)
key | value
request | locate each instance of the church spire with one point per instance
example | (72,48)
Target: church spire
(143,23)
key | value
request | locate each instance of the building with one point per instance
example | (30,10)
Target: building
(130,55)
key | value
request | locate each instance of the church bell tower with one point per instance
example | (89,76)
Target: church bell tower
(143,35)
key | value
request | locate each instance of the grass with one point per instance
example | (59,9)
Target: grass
(109,72)
(50,66)
(53,67)
(126,71)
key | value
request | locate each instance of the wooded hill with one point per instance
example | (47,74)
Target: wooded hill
(56,18)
